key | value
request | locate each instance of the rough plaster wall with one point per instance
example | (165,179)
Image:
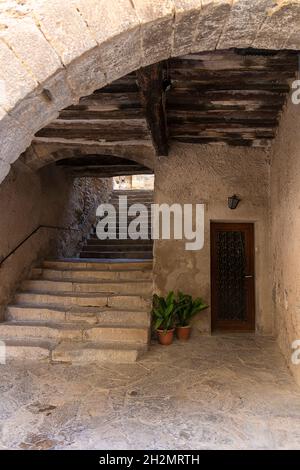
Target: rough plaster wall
(28,200)
(285,210)
(195,174)
(74,207)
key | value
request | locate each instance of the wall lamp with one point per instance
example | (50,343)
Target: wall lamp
(233,202)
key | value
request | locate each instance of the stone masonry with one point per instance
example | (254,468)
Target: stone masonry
(47,45)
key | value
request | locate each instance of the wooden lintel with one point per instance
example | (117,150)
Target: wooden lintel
(150,81)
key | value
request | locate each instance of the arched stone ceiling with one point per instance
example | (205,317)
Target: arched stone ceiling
(53,52)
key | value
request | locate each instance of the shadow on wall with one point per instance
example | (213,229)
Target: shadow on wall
(46,198)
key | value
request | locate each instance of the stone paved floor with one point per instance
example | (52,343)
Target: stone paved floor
(214,392)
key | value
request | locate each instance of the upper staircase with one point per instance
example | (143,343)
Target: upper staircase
(85,310)
(117,248)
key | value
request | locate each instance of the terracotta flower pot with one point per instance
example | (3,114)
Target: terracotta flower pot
(165,337)
(183,333)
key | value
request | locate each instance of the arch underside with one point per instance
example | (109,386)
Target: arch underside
(45,69)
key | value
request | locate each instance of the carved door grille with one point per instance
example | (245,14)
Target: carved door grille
(232,261)
(231,276)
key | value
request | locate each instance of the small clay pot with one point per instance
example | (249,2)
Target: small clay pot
(165,337)
(183,333)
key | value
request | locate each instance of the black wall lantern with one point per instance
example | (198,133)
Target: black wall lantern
(233,202)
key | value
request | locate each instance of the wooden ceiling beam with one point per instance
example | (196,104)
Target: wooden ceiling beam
(150,81)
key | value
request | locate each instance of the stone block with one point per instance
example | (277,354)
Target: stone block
(89,353)
(86,75)
(14,138)
(187,15)
(29,44)
(121,55)
(27,350)
(213,17)
(15,81)
(244,22)
(117,334)
(4,170)
(108,19)
(64,28)
(281,27)
(43,106)
(156,20)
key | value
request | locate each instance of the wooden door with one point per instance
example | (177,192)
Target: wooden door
(232,276)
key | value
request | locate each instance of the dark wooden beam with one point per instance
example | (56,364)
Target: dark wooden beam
(97,129)
(102,166)
(96,160)
(150,81)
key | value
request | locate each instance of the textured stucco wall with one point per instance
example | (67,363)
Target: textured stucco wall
(48,197)
(285,210)
(209,174)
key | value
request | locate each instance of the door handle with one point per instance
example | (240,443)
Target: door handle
(248,277)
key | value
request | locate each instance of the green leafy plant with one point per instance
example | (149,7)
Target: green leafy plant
(163,311)
(187,307)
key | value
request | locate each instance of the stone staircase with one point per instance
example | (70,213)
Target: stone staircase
(118,248)
(77,312)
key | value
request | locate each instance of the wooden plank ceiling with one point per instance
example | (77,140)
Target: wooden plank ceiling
(232,97)
(228,97)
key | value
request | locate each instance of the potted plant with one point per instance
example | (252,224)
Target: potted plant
(187,307)
(163,312)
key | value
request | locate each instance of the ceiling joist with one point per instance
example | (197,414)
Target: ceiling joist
(150,80)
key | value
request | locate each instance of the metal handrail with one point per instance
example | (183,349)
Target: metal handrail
(56,227)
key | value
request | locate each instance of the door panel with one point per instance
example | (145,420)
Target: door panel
(232,276)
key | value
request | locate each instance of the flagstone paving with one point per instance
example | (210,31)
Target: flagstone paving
(213,392)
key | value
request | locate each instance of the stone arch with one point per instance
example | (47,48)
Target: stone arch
(52,52)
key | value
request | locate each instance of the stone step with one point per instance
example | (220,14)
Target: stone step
(28,349)
(115,236)
(141,194)
(87,353)
(91,315)
(76,332)
(75,263)
(118,287)
(132,197)
(127,242)
(115,239)
(117,248)
(83,299)
(143,255)
(125,220)
(130,202)
(74,353)
(91,274)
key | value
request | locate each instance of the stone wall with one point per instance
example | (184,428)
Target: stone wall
(48,197)
(209,174)
(285,211)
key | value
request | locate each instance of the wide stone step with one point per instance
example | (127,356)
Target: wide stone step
(133,197)
(84,300)
(91,274)
(91,315)
(117,255)
(125,243)
(118,234)
(119,287)
(62,331)
(75,263)
(117,248)
(74,353)
(28,349)
(87,353)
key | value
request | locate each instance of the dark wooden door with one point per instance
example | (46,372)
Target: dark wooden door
(232,276)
